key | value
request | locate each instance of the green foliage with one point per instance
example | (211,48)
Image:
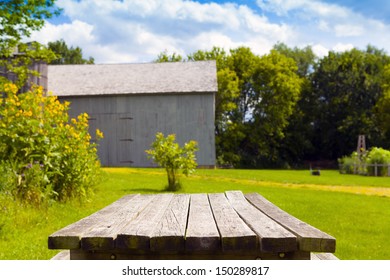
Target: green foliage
(165,57)
(297,143)
(347,87)
(251,90)
(378,156)
(275,92)
(382,108)
(49,156)
(288,106)
(16,62)
(351,164)
(374,162)
(304,58)
(66,55)
(6,179)
(18,18)
(169,155)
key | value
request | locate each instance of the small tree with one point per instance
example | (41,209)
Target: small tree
(169,155)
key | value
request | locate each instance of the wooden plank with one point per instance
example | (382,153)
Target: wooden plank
(104,232)
(137,233)
(202,233)
(63,255)
(327,257)
(323,257)
(235,234)
(272,236)
(128,254)
(69,237)
(170,232)
(310,239)
(314,257)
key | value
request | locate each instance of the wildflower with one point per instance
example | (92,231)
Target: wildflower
(99,134)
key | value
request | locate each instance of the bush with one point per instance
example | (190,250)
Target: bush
(366,163)
(6,179)
(350,164)
(378,156)
(48,155)
(169,155)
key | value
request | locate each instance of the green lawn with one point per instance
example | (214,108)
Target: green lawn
(360,222)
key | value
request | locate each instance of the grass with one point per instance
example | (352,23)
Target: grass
(354,209)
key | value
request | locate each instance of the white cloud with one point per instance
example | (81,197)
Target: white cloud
(77,32)
(330,26)
(138,30)
(347,30)
(319,50)
(342,47)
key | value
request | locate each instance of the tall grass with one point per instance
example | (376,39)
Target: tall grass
(360,222)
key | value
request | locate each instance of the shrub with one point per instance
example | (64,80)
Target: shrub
(378,156)
(6,178)
(49,155)
(350,164)
(169,155)
(374,159)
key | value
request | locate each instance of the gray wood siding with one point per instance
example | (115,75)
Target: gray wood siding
(130,123)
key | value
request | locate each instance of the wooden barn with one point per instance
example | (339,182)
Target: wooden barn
(130,103)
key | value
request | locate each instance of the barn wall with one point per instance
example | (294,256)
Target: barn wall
(130,123)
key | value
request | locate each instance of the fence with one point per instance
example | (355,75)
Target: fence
(375,169)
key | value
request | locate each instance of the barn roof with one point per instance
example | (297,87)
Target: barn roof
(146,78)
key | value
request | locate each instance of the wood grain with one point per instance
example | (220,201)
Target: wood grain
(272,236)
(169,234)
(69,237)
(310,238)
(137,233)
(197,226)
(235,234)
(106,229)
(202,233)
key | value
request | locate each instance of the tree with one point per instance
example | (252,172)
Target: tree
(18,18)
(66,55)
(276,90)
(382,108)
(225,104)
(165,57)
(255,98)
(347,86)
(169,155)
(297,145)
(304,58)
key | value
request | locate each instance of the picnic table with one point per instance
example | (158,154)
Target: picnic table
(229,225)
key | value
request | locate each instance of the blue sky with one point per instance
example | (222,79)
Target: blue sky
(126,31)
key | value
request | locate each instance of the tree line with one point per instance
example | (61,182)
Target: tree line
(289,107)
(281,109)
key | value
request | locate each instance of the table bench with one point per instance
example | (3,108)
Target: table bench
(227,225)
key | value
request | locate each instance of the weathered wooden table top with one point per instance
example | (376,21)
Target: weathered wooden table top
(227,225)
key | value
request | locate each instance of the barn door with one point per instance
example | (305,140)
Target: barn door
(124,139)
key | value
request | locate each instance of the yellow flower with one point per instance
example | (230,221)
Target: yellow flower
(99,134)
(28,113)
(10,88)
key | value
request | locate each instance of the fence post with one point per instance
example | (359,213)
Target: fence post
(376,169)
(388,169)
